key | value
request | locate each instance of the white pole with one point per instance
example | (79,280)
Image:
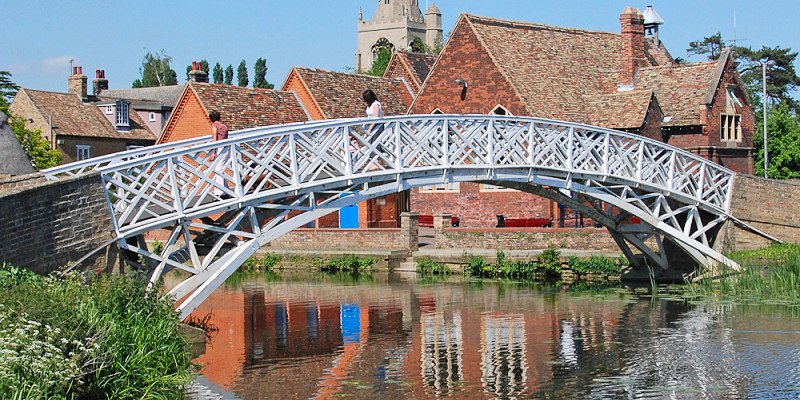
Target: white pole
(764,105)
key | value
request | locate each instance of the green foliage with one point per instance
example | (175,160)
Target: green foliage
(783,128)
(111,338)
(8,90)
(229,75)
(348,263)
(381,62)
(35,145)
(418,46)
(427,266)
(478,267)
(597,264)
(265,263)
(768,275)
(241,74)
(260,78)
(156,71)
(710,47)
(218,76)
(547,265)
(550,261)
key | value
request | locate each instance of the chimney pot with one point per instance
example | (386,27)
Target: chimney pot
(80,70)
(97,73)
(74,70)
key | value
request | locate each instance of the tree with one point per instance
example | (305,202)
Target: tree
(35,145)
(156,71)
(783,144)
(8,90)
(229,75)
(260,78)
(380,63)
(218,77)
(241,74)
(710,46)
(418,46)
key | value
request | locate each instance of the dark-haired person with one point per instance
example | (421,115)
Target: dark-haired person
(219,131)
(374,110)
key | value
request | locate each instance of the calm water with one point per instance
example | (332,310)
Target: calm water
(324,337)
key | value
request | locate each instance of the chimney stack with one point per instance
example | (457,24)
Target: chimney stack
(197,74)
(632,58)
(77,82)
(99,83)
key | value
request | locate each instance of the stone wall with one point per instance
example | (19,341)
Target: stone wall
(339,239)
(14,183)
(44,227)
(768,205)
(525,238)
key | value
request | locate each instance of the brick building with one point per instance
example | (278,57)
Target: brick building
(411,67)
(76,126)
(330,95)
(240,107)
(626,81)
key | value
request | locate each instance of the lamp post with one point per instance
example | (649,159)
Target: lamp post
(764,106)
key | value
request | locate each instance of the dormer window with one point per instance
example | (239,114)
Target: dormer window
(123,120)
(500,110)
(109,110)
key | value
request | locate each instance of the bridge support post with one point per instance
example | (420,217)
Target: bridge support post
(409,225)
(441,221)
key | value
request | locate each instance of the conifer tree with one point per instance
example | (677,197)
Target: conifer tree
(241,74)
(229,75)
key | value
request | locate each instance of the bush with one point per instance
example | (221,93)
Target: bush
(348,263)
(110,338)
(597,264)
(265,263)
(426,266)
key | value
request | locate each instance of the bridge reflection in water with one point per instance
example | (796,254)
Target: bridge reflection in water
(402,340)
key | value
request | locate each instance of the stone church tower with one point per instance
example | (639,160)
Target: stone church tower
(395,24)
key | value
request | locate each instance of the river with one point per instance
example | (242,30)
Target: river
(314,336)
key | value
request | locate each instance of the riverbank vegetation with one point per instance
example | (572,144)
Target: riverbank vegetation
(547,266)
(68,339)
(768,275)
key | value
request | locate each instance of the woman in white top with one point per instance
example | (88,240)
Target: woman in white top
(374,109)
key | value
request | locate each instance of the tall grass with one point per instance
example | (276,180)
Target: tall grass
(108,338)
(771,274)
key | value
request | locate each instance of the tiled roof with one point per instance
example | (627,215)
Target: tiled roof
(680,89)
(621,110)
(562,73)
(74,118)
(419,63)
(166,95)
(243,107)
(338,94)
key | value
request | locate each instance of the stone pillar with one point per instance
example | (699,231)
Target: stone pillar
(441,221)
(409,228)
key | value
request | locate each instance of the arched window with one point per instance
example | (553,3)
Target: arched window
(500,110)
(380,44)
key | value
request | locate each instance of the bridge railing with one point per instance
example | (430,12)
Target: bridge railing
(186,182)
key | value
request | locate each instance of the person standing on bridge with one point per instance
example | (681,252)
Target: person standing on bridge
(374,110)
(219,131)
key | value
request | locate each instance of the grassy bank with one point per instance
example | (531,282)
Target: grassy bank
(109,338)
(769,275)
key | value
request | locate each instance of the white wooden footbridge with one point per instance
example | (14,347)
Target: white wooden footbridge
(223,200)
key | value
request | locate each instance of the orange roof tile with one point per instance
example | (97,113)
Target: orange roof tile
(621,110)
(244,107)
(681,90)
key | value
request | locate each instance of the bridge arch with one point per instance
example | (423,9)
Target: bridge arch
(223,200)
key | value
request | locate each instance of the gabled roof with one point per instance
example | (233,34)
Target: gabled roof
(244,107)
(681,90)
(338,94)
(166,95)
(72,117)
(621,110)
(13,160)
(240,107)
(416,65)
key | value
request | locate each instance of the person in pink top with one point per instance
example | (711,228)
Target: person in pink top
(219,131)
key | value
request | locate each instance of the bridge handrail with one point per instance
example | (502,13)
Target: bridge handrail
(95,163)
(305,154)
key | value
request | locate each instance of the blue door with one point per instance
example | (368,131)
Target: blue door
(348,216)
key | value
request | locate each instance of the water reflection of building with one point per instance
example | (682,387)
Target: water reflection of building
(503,363)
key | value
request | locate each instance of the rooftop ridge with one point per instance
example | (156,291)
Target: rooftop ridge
(524,24)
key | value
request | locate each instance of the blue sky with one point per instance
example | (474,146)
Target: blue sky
(40,37)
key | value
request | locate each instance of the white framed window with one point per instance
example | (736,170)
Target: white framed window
(485,187)
(109,110)
(122,114)
(152,117)
(452,187)
(500,110)
(84,152)
(730,128)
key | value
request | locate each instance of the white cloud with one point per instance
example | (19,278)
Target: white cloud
(54,66)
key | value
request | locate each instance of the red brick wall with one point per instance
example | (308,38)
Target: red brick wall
(398,69)
(487,87)
(632,40)
(98,146)
(189,120)
(526,238)
(652,123)
(294,84)
(480,209)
